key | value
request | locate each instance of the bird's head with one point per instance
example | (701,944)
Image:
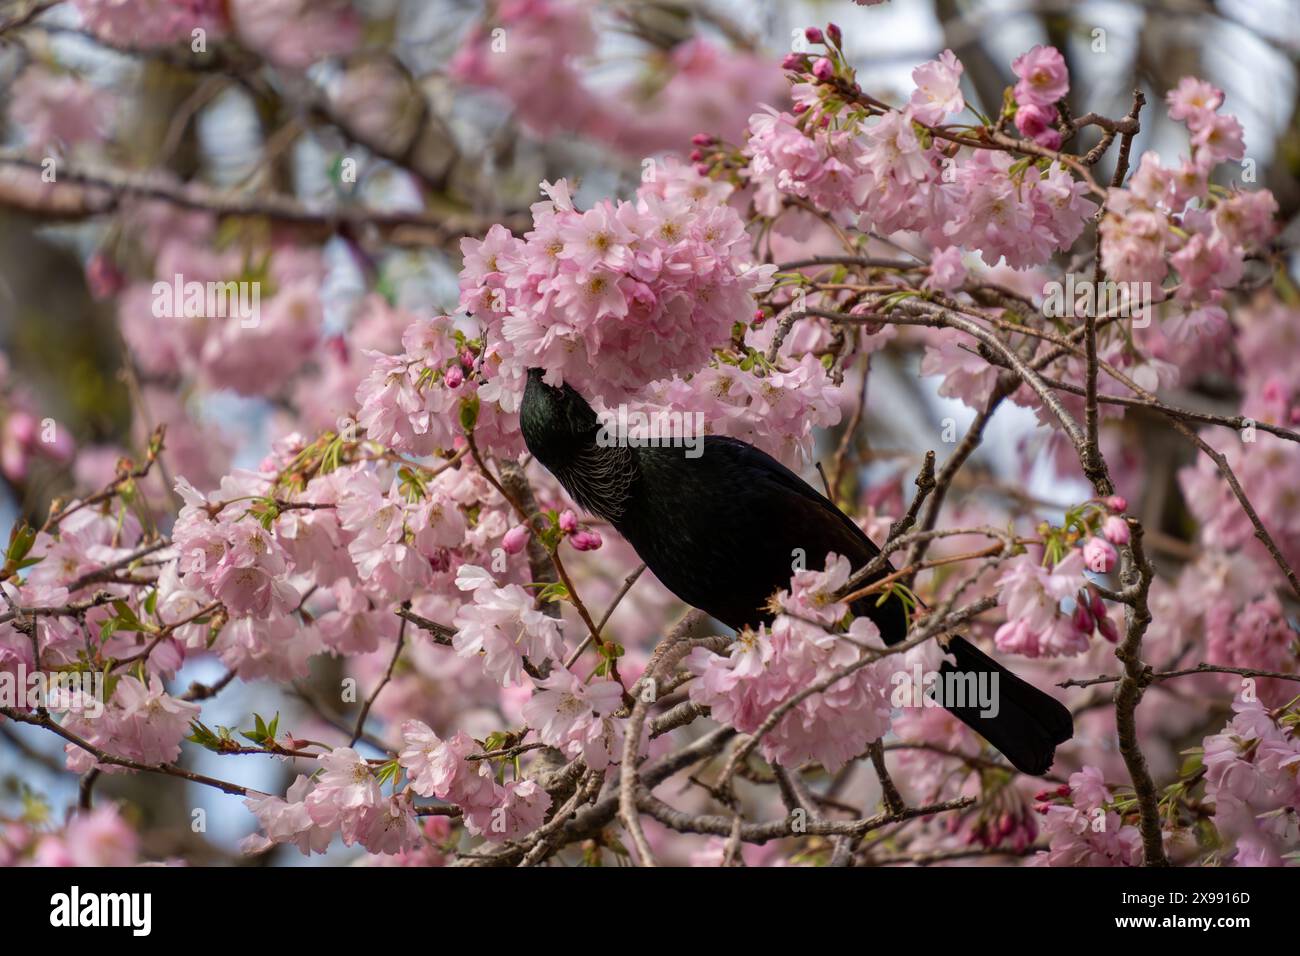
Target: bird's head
(557,423)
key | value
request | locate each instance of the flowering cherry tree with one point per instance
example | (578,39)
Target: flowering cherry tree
(450,665)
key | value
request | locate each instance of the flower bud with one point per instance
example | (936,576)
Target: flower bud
(1099,555)
(1115,529)
(516,539)
(1097,605)
(585,541)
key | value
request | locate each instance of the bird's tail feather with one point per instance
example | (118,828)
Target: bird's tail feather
(1028,723)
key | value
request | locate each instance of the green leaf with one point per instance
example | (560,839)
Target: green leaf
(553,591)
(469,413)
(21,539)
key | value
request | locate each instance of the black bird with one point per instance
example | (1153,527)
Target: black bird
(721,530)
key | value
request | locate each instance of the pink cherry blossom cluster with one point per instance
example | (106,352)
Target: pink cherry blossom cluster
(411,401)
(777,412)
(1042,82)
(439,768)
(1264,464)
(141,722)
(527,53)
(59,110)
(539,55)
(764,668)
(25,440)
(1083,829)
(99,837)
(502,626)
(151,22)
(1254,635)
(1174,217)
(614,297)
(1250,775)
(174,327)
(1035,598)
(291,33)
(346,798)
(892,172)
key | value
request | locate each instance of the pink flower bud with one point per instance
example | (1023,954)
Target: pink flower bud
(1107,630)
(103,276)
(13,461)
(1117,503)
(1099,555)
(568,521)
(1115,529)
(454,377)
(834,33)
(20,427)
(1083,620)
(702,168)
(1036,123)
(585,541)
(516,539)
(823,69)
(799,109)
(1098,606)
(697,155)
(702,139)
(1063,790)
(814,35)
(466,358)
(338,347)
(795,61)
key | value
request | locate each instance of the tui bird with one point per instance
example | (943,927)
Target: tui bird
(720,530)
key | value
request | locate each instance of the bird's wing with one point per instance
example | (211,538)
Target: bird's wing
(725,530)
(760,462)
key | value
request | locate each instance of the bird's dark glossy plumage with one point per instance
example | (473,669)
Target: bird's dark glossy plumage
(721,532)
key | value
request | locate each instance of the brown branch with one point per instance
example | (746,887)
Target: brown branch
(103,757)
(1128,694)
(360,728)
